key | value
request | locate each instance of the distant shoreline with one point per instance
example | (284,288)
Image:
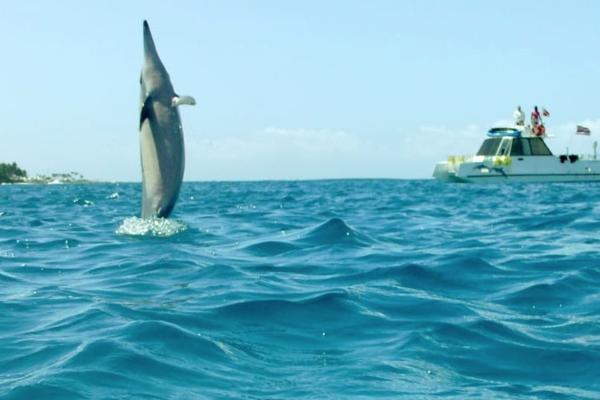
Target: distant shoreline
(84,182)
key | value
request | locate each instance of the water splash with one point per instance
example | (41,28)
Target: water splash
(83,202)
(159,227)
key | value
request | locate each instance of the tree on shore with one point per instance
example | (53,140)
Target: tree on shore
(11,173)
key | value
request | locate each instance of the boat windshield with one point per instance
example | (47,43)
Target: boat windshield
(539,148)
(529,147)
(489,147)
(520,147)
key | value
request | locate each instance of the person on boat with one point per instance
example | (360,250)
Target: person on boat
(519,116)
(535,120)
(541,130)
(535,116)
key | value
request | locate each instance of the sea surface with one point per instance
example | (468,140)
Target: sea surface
(347,289)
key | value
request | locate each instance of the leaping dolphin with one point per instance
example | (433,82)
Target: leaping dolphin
(161,135)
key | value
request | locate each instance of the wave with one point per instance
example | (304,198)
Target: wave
(41,391)
(333,232)
(270,248)
(320,306)
(174,340)
(8,278)
(350,289)
(547,296)
(38,245)
(509,355)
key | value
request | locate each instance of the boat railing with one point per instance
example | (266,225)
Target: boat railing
(587,157)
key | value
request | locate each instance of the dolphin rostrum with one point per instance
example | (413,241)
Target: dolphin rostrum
(161,135)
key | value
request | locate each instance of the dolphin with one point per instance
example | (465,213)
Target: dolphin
(161,135)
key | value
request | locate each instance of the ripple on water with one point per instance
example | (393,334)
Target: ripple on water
(270,248)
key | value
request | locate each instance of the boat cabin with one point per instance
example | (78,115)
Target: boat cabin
(510,142)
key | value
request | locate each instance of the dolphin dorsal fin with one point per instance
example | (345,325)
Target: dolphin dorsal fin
(179,100)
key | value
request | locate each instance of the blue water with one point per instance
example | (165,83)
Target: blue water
(305,290)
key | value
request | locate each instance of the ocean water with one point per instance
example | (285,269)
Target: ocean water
(348,289)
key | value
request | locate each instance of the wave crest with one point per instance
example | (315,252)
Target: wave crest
(334,231)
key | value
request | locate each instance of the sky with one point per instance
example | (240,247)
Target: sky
(293,89)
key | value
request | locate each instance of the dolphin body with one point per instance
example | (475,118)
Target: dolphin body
(161,135)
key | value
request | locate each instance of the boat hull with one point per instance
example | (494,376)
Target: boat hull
(518,169)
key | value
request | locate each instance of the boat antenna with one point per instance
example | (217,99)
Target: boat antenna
(595,148)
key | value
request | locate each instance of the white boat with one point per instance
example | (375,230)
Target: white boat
(515,154)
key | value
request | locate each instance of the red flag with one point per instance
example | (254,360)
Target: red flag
(582,130)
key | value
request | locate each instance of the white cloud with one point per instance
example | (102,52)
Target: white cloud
(276,153)
(441,141)
(295,143)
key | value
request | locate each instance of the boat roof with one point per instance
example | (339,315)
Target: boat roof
(514,132)
(505,131)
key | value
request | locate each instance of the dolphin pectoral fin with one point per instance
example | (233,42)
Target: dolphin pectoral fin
(145,111)
(179,100)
